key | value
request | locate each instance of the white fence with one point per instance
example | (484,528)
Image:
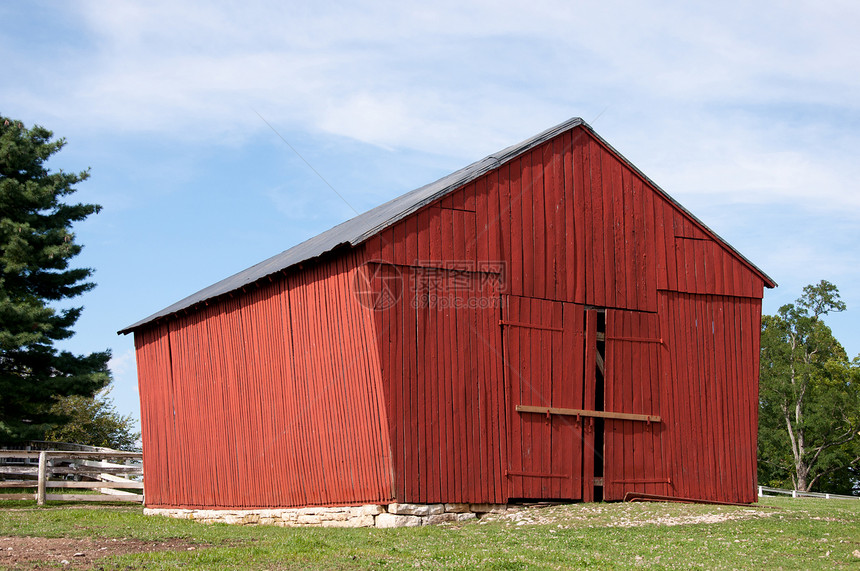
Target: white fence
(107,471)
(765,492)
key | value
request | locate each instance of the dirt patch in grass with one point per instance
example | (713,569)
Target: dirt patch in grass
(622,515)
(77,553)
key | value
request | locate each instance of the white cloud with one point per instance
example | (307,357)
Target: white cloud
(391,75)
(748,102)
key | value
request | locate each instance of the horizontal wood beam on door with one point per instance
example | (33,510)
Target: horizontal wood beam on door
(594,413)
(603,337)
(535,474)
(528,325)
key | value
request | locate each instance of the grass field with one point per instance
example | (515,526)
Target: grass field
(776,534)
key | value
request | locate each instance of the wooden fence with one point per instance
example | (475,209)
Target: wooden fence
(108,472)
(765,492)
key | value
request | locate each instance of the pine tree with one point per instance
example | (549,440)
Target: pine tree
(36,246)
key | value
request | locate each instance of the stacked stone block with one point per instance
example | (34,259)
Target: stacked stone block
(371,515)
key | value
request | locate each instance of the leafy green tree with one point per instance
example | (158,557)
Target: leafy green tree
(809,417)
(36,246)
(93,421)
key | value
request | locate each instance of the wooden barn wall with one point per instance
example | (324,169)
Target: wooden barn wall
(694,363)
(634,452)
(271,398)
(567,221)
(549,363)
(158,431)
(710,378)
(438,347)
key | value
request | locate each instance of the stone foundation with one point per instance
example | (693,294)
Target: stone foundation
(371,515)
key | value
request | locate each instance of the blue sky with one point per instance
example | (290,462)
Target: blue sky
(747,113)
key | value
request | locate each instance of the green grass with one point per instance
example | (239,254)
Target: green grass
(784,533)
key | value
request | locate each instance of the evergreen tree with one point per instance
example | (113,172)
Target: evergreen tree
(809,413)
(36,246)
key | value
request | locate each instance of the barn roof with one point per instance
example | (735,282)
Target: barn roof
(356,230)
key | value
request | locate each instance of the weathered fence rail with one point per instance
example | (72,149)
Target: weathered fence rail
(764,491)
(88,470)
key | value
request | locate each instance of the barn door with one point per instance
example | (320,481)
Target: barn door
(633,449)
(545,372)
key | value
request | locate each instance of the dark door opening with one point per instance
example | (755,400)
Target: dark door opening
(598,405)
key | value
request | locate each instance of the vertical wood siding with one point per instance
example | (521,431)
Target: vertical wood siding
(152,352)
(545,360)
(710,380)
(269,398)
(440,353)
(634,455)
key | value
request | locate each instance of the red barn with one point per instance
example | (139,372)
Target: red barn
(546,323)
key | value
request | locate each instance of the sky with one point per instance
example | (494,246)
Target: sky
(218,134)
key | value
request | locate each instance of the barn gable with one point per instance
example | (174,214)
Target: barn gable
(546,323)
